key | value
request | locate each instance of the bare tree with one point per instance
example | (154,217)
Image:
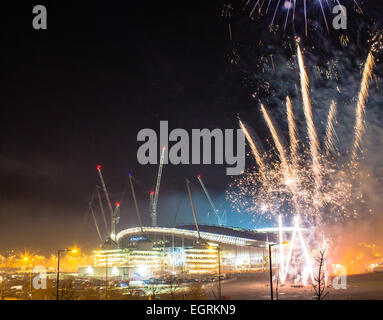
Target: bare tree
(153,292)
(319,285)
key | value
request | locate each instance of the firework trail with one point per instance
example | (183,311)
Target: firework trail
(287,14)
(305,17)
(254,149)
(292,132)
(277,141)
(330,130)
(324,17)
(308,259)
(275,12)
(252,11)
(292,241)
(313,137)
(286,263)
(361,107)
(290,179)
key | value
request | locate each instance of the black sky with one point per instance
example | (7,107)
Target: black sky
(76,95)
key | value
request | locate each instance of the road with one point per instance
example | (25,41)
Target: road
(256,287)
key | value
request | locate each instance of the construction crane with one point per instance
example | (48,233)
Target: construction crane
(221,217)
(151,198)
(101,205)
(135,202)
(155,200)
(113,213)
(193,209)
(94,218)
(116,213)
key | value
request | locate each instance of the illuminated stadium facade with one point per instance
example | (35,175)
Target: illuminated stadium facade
(153,251)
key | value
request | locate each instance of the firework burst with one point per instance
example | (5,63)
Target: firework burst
(293,8)
(314,183)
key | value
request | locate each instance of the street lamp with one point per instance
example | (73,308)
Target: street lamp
(31,265)
(271,268)
(58,268)
(27,259)
(1,289)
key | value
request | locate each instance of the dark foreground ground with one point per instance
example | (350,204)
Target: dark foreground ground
(367,286)
(253,286)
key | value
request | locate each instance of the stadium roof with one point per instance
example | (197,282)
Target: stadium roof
(220,235)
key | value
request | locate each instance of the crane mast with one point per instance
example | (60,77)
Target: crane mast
(151,197)
(113,213)
(116,213)
(94,218)
(135,203)
(221,219)
(193,209)
(155,200)
(102,209)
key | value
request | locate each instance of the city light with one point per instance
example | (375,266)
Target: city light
(90,270)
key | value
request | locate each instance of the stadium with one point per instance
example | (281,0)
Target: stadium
(188,250)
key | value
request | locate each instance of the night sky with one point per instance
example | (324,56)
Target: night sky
(76,95)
